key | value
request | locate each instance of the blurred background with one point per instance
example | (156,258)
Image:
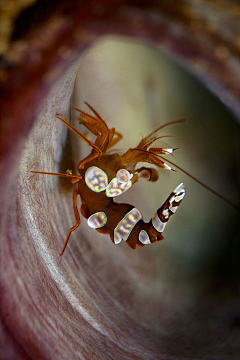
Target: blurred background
(136,88)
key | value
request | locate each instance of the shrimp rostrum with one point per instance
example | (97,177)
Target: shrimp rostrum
(103,176)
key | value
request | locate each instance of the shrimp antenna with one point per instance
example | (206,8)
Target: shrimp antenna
(204,185)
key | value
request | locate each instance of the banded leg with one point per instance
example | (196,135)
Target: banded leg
(77,216)
(159,220)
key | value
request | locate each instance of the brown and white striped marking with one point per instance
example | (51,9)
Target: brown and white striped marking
(161,216)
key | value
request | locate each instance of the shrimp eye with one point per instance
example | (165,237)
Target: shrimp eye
(123,176)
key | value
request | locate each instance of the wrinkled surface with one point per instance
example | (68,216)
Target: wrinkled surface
(180,299)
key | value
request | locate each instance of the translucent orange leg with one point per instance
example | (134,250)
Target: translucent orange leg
(92,120)
(87,159)
(77,216)
(116,140)
(95,147)
(74,178)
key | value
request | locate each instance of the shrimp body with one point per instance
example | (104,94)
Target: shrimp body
(103,176)
(120,221)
